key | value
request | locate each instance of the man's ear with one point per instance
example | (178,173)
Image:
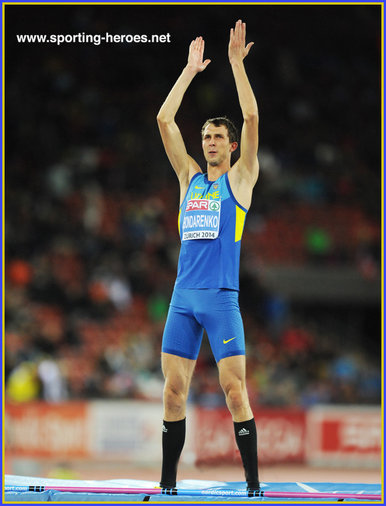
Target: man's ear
(233,146)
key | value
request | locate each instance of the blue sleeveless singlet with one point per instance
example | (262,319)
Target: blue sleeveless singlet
(211,224)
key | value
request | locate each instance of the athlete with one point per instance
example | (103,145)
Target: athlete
(213,206)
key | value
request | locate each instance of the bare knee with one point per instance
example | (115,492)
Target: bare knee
(174,402)
(237,400)
(232,380)
(178,373)
(235,395)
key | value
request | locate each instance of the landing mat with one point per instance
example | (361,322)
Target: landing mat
(96,498)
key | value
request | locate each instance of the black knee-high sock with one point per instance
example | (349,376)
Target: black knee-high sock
(246,439)
(173,439)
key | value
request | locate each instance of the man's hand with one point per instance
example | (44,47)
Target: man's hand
(196,55)
(237,50)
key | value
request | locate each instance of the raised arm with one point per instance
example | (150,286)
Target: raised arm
(244,174)
(184,166)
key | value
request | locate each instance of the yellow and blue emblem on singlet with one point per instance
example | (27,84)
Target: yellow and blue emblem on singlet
(211,224)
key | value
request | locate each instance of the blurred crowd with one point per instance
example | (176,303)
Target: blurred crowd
(91,212)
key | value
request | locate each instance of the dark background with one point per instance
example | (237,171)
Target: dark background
(91,200)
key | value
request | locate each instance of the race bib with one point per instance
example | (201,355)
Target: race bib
(201,220)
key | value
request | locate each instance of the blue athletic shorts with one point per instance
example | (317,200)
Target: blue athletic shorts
(215,310)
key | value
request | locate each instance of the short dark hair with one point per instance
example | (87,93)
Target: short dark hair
(229,125)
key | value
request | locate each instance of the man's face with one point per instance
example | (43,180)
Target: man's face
(216,145)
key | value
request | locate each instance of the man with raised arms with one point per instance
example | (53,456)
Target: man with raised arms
(213,207)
